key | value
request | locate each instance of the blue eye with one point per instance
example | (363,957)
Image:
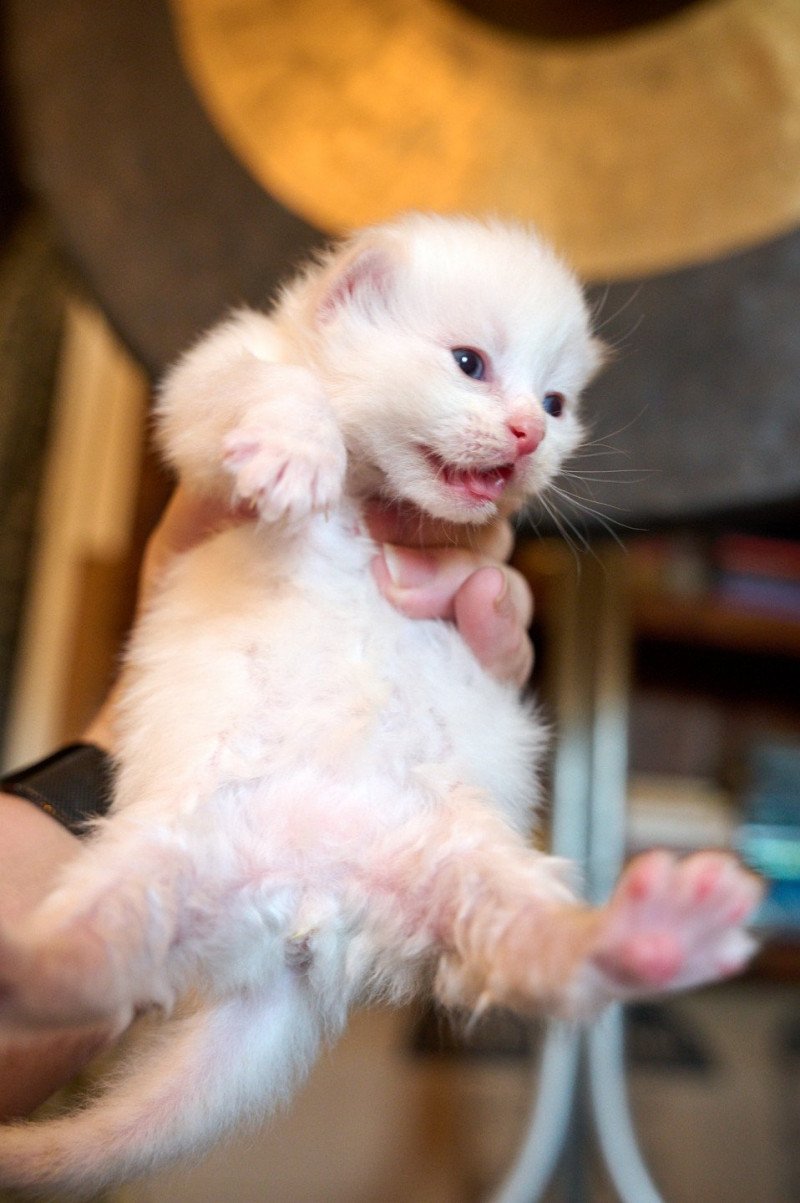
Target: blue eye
(471,363)
(553,404)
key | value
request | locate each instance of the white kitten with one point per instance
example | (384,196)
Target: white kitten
(320,800)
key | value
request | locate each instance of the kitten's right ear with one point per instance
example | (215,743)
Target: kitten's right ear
(364,278)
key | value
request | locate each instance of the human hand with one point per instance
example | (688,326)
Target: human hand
(432,569)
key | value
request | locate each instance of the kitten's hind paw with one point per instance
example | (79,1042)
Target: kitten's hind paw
(672,924)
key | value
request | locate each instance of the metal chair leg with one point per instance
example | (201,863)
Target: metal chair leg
(590,634)
(550,1120)
(612,1116)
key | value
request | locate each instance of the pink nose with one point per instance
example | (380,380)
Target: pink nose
(528,432)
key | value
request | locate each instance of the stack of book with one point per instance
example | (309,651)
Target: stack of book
(678,812)
(769,837)
(756,573)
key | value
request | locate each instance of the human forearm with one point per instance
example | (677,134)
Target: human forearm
(33,850)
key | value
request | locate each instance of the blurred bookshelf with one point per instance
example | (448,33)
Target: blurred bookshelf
(719,617)
(712,621)
(737,592)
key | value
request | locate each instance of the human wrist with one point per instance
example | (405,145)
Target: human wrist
(73,785)
(99,732)
(35,847)
(101,729)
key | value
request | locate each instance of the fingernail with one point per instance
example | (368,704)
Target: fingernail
(502,598)
(408,569)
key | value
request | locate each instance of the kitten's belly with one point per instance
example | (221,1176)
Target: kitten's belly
(313,685)
(392,720)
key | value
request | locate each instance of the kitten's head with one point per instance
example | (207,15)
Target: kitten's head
(455,352)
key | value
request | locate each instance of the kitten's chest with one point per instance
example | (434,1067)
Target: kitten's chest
(340,696)
(345,682)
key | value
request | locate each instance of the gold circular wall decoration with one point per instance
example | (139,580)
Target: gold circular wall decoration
(635,152)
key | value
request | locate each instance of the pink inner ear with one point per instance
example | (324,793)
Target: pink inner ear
(366,278)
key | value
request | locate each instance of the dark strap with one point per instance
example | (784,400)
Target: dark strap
(74,785)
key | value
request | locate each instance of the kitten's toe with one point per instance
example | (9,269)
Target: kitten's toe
(284,477)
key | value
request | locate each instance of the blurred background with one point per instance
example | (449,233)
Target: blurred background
(161,162)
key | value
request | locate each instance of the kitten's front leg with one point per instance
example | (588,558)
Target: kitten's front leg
(237,421)
(286,456)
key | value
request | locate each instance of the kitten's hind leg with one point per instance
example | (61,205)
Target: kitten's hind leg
(98,946)
(184,1083)
(509,932)
(669,925)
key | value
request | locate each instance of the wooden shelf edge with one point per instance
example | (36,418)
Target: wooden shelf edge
(708,622)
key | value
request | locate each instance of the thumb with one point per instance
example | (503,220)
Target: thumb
(423,584)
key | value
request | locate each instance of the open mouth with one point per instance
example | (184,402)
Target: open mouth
(471,484)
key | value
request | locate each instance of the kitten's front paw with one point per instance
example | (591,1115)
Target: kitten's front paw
(671,924)
(287,473)
(281,477)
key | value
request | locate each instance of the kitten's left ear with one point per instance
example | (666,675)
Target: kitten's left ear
(364,278)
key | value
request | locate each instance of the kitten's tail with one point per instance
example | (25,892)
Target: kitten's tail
(182,1085)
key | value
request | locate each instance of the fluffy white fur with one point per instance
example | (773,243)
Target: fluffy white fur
(319,800)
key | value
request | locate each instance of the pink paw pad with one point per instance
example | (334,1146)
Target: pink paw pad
(676,923)
(653,960)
